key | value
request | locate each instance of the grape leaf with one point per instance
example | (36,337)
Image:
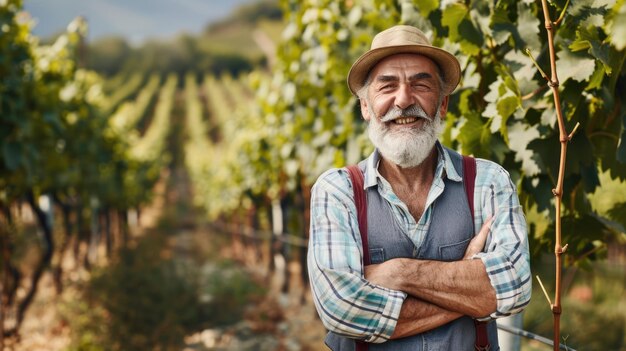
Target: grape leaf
(502,25)
(453,15)
(528,27)
(427,6)
(519,135)
(618,29)
(618,213)
(571,66)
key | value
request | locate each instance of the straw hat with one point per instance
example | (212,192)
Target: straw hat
(404,39)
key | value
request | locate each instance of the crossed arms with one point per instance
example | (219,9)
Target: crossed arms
(439,292)
(403,297)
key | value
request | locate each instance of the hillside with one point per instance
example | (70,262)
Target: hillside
(239,32)
(236,43)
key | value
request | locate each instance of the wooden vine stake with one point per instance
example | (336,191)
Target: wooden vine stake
(564,138)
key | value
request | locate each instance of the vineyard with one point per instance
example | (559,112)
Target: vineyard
(172,210)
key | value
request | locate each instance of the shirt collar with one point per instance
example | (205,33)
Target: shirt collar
(444,168)
(446,161)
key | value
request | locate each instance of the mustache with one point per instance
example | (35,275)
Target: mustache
(411,111)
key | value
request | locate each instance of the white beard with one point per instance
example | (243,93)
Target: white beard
(406,147)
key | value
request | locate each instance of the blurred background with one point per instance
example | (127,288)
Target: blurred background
(156,160)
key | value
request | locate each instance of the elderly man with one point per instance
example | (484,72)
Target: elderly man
(431,280)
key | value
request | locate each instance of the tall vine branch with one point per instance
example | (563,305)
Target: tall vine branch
(564,138)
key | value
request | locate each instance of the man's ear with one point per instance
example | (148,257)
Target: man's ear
(365,111)
(443,108)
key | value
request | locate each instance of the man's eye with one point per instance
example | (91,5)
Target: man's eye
(419,85)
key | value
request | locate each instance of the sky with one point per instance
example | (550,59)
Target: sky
(136,20)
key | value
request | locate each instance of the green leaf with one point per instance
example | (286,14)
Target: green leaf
(480,13)
(503,99)
(580,162)
(546,153)
(472,38)
(473,135)
(621,144)
(501,24)
(12,154)
(578,232)
(583,40)
(485,138)
(427,6)
(464,102)
(446,136)
(519,135)
(616,63)
(521,34)
(573,101)
(53,119)
(461,28)
(523,71)
(618,213)
(588,38)
(497,150)
(571,66)
(596,79)
(507,106)
(528,28)
(589,174)
(606,145)
(618,29)
(453,15)
(539,189)
(580,155)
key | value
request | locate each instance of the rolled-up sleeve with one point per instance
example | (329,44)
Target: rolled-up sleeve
(506,258)
(346,303)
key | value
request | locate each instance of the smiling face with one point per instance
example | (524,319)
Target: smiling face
(403,104)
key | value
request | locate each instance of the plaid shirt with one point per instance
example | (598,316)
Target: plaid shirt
(351,306)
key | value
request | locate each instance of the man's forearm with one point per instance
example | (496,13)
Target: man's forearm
(418,316)
(460,286)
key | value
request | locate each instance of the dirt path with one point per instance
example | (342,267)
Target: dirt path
(278,321)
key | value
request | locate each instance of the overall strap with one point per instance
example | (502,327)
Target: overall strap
(469,181)
(360,200)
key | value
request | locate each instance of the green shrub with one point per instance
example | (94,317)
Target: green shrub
(227,290)
(149,301)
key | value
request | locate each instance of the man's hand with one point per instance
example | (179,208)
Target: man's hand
(384,274)
(477,244)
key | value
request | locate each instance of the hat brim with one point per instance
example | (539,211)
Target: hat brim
(448,64)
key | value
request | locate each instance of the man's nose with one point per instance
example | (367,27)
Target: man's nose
(404,98)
